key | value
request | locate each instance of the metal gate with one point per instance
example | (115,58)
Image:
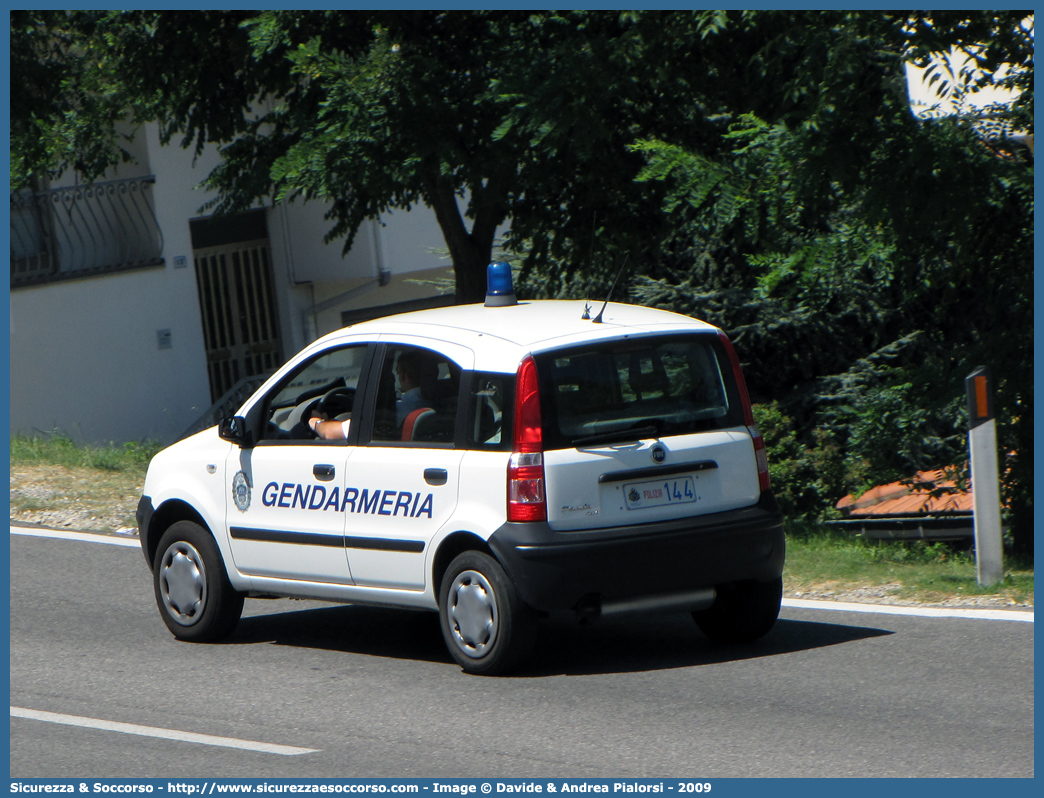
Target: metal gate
(240,319)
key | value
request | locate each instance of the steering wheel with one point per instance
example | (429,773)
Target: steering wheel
(336,401)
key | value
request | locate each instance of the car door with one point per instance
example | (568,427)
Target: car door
(285,514)
(403,477)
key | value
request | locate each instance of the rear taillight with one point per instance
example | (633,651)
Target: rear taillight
(760,455)
(526,498)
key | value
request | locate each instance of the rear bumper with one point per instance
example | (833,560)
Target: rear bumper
(564,570)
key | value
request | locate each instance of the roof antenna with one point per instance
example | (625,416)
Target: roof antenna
(594,227)
(598,319)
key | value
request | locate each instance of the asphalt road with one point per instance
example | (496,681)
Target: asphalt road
(372,692)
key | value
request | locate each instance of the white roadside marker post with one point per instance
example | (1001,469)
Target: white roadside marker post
(982,443)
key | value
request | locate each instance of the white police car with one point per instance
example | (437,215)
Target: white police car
(501,462)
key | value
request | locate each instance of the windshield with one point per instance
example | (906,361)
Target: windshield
(635,388)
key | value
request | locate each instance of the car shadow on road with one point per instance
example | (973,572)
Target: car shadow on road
(673,641)
(621,645)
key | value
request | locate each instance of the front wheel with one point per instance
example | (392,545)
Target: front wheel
(195,598)
(487,627)
(742,612)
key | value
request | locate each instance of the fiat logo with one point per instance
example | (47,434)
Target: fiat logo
(659,454)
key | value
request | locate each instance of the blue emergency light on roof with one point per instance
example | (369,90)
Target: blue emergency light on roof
(500,290)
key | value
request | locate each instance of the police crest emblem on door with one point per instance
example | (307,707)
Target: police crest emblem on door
(241,491)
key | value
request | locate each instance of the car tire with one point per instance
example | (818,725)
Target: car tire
(487,627)
(742,612)
(195,597)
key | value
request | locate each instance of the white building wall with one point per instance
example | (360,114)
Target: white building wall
(85,354)
(85,359)
(321,283)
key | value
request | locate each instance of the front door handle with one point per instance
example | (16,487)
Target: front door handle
(436,476)
(323,472)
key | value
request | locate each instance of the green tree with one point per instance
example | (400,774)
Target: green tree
(57,103)
(483,116)
(865,260)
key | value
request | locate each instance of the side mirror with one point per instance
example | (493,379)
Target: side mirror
(234,430)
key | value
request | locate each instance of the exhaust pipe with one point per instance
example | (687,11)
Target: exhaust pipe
(590,608)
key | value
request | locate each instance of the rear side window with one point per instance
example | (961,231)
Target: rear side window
(490,411)
(646,387)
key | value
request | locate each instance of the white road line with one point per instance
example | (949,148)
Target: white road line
(923,612)
(165,734)
(805,604)
(110,540)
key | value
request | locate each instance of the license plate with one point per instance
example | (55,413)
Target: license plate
(639,495)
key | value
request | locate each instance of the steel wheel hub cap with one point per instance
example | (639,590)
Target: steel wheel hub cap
(183,583)
(473,613)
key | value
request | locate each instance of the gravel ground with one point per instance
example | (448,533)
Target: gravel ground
(886,594)
(58,497)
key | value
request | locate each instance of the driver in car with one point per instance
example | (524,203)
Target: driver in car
(329,429)
(415,372)
(412,371)
(328,420)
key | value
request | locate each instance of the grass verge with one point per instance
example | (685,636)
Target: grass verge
(59,449)
(58,483)
(823,564)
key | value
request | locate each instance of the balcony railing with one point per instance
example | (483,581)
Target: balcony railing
(79,231)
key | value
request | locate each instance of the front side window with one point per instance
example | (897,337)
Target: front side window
(325,388)
(646,387)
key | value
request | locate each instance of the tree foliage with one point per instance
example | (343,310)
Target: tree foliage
(865,260)
(58,104)
(483,116)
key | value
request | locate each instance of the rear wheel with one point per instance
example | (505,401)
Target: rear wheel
(487,627)
(742,612)
(195,598)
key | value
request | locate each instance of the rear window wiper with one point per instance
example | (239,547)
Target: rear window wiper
(617,436)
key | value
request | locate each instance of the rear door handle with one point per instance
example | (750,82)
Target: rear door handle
(323,472)
(436,476)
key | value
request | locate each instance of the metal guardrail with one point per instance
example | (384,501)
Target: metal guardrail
(944,526)
(78,231)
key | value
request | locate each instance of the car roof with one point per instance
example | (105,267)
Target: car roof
(501,336)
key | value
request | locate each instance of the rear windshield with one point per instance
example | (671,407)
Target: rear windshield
(636,388)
